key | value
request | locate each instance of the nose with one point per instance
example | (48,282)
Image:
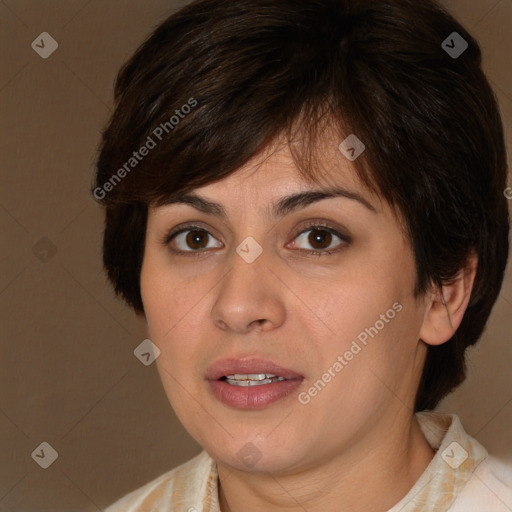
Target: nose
(249,297)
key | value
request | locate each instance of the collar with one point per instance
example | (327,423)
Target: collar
(457,456)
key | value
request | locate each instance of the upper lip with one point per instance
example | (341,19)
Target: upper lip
(224,367)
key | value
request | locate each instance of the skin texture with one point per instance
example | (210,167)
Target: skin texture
(356,445)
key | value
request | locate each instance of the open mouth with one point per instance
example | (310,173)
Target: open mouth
(250,382)
(251,379)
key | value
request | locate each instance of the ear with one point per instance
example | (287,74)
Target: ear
(447,306)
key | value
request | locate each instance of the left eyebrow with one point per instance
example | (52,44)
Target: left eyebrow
(284,206)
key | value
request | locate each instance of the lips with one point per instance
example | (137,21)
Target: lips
(228,382)
(226,367)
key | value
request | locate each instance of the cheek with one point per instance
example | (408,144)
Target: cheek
(352,306)
(165,302)
(366,338)
(369,280)
(378,363)
(172,309)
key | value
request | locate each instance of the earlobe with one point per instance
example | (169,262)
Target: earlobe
(447,305)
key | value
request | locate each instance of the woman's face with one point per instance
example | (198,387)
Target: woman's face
(247,296)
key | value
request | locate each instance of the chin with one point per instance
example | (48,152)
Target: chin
(253,454)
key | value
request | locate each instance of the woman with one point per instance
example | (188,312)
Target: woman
(305,200)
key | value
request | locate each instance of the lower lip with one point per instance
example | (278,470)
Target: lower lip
(253,397)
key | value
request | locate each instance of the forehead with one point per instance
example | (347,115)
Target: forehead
(274,173)
(272,181)
(277,165)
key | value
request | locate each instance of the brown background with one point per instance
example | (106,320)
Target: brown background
(69,376)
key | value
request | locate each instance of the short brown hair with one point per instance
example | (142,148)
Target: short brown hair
(251,70)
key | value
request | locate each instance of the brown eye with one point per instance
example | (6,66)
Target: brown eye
(320,238)
(197,239)
(191,240)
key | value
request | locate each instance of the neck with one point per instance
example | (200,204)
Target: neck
(371,478)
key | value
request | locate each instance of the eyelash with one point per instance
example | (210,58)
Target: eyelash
(198,253)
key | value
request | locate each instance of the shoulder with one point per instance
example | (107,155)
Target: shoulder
(489,488)
(187,485)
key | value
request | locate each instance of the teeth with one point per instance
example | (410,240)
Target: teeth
(252,379)
(251,376)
